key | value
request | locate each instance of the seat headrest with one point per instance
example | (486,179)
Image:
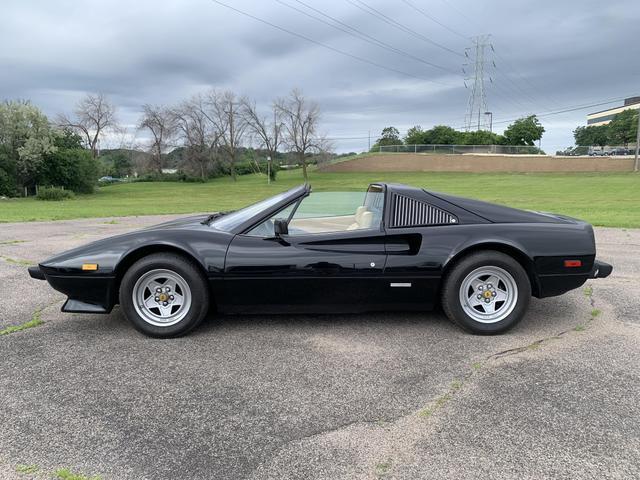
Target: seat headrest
(366,220)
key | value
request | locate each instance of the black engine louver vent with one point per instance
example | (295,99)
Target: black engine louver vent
(407,212)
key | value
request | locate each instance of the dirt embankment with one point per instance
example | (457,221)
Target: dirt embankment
(478,163)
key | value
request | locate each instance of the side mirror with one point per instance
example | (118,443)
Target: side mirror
(280,227)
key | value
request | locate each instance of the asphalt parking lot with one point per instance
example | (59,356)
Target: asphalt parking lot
(389,395)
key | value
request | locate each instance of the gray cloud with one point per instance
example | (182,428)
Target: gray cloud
(549,55)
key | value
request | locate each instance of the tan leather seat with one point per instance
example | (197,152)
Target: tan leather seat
(363,219)
(366,220)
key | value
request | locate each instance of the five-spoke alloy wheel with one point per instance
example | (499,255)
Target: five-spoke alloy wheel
(486,292)
(161,297)
(164,295)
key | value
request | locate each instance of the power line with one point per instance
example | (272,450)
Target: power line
(514,97)
(360,34)
(324,45)
(335,49)
(568,109)
(386,19)
(464,15)
(505,93)
(525,79)
(564,110)
(433,19)
(474,24)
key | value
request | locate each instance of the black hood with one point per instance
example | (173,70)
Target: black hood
(180,222)
(501,214)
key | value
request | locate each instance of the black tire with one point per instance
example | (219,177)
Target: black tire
(453,282)
(185,268)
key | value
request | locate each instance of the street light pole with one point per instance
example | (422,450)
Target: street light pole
(268,170)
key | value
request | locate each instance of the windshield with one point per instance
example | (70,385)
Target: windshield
(232,220)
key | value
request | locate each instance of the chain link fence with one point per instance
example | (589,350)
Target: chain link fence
(599,151)
(461,149)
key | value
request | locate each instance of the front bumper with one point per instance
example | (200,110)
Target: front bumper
(600,269)
(87,293)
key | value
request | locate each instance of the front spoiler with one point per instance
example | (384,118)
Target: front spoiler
(77,306)
(600,269)
(35,272)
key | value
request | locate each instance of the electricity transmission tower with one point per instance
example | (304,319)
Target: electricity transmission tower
(479,65)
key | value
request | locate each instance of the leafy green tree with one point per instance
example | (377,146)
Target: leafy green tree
(624,127)
(26,138)
(414,136)
(481,137)
(67,138)
(442,135)
(122,166)
(72,168)
(593,135)
(389,136)
(524,131)
(7,173)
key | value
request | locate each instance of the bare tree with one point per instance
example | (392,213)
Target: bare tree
(160,122)
(195,122)
(229,123)
(93,116)
(300,119)
(268,131)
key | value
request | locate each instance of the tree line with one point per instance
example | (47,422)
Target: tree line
(524,131)
(210,130)
(621,130)
(214,127)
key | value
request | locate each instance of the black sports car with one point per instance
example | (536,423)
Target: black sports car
(393,247)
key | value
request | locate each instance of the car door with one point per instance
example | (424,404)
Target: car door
(306,271)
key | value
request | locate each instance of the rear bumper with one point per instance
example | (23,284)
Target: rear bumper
(600,269)
(557,284)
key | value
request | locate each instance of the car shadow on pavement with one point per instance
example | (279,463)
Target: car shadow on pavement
(545,317)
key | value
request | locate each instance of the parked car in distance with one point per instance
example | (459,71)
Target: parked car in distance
(620,151)
(391,247)
(109,179)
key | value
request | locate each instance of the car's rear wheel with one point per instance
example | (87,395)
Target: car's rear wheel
(164,295)
(486,292)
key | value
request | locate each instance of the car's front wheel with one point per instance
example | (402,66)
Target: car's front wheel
(164,295)
(486,292)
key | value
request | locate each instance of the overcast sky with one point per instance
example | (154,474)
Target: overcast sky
(549,55)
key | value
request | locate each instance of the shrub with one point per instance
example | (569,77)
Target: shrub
(54,194)
(169,177)
(73,169)
(273,173)
(7,184)
(8,179)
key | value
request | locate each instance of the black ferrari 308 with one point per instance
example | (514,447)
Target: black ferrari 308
(393,247)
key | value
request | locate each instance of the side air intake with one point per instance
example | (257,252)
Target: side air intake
(407,212)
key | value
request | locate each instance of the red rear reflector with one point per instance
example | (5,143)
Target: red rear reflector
(572,263)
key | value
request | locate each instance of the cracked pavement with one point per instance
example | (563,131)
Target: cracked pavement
(384,395)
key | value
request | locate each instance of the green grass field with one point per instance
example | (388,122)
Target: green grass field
(608,199)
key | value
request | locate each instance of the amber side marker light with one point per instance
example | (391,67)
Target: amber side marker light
(572,263)
(89,266)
